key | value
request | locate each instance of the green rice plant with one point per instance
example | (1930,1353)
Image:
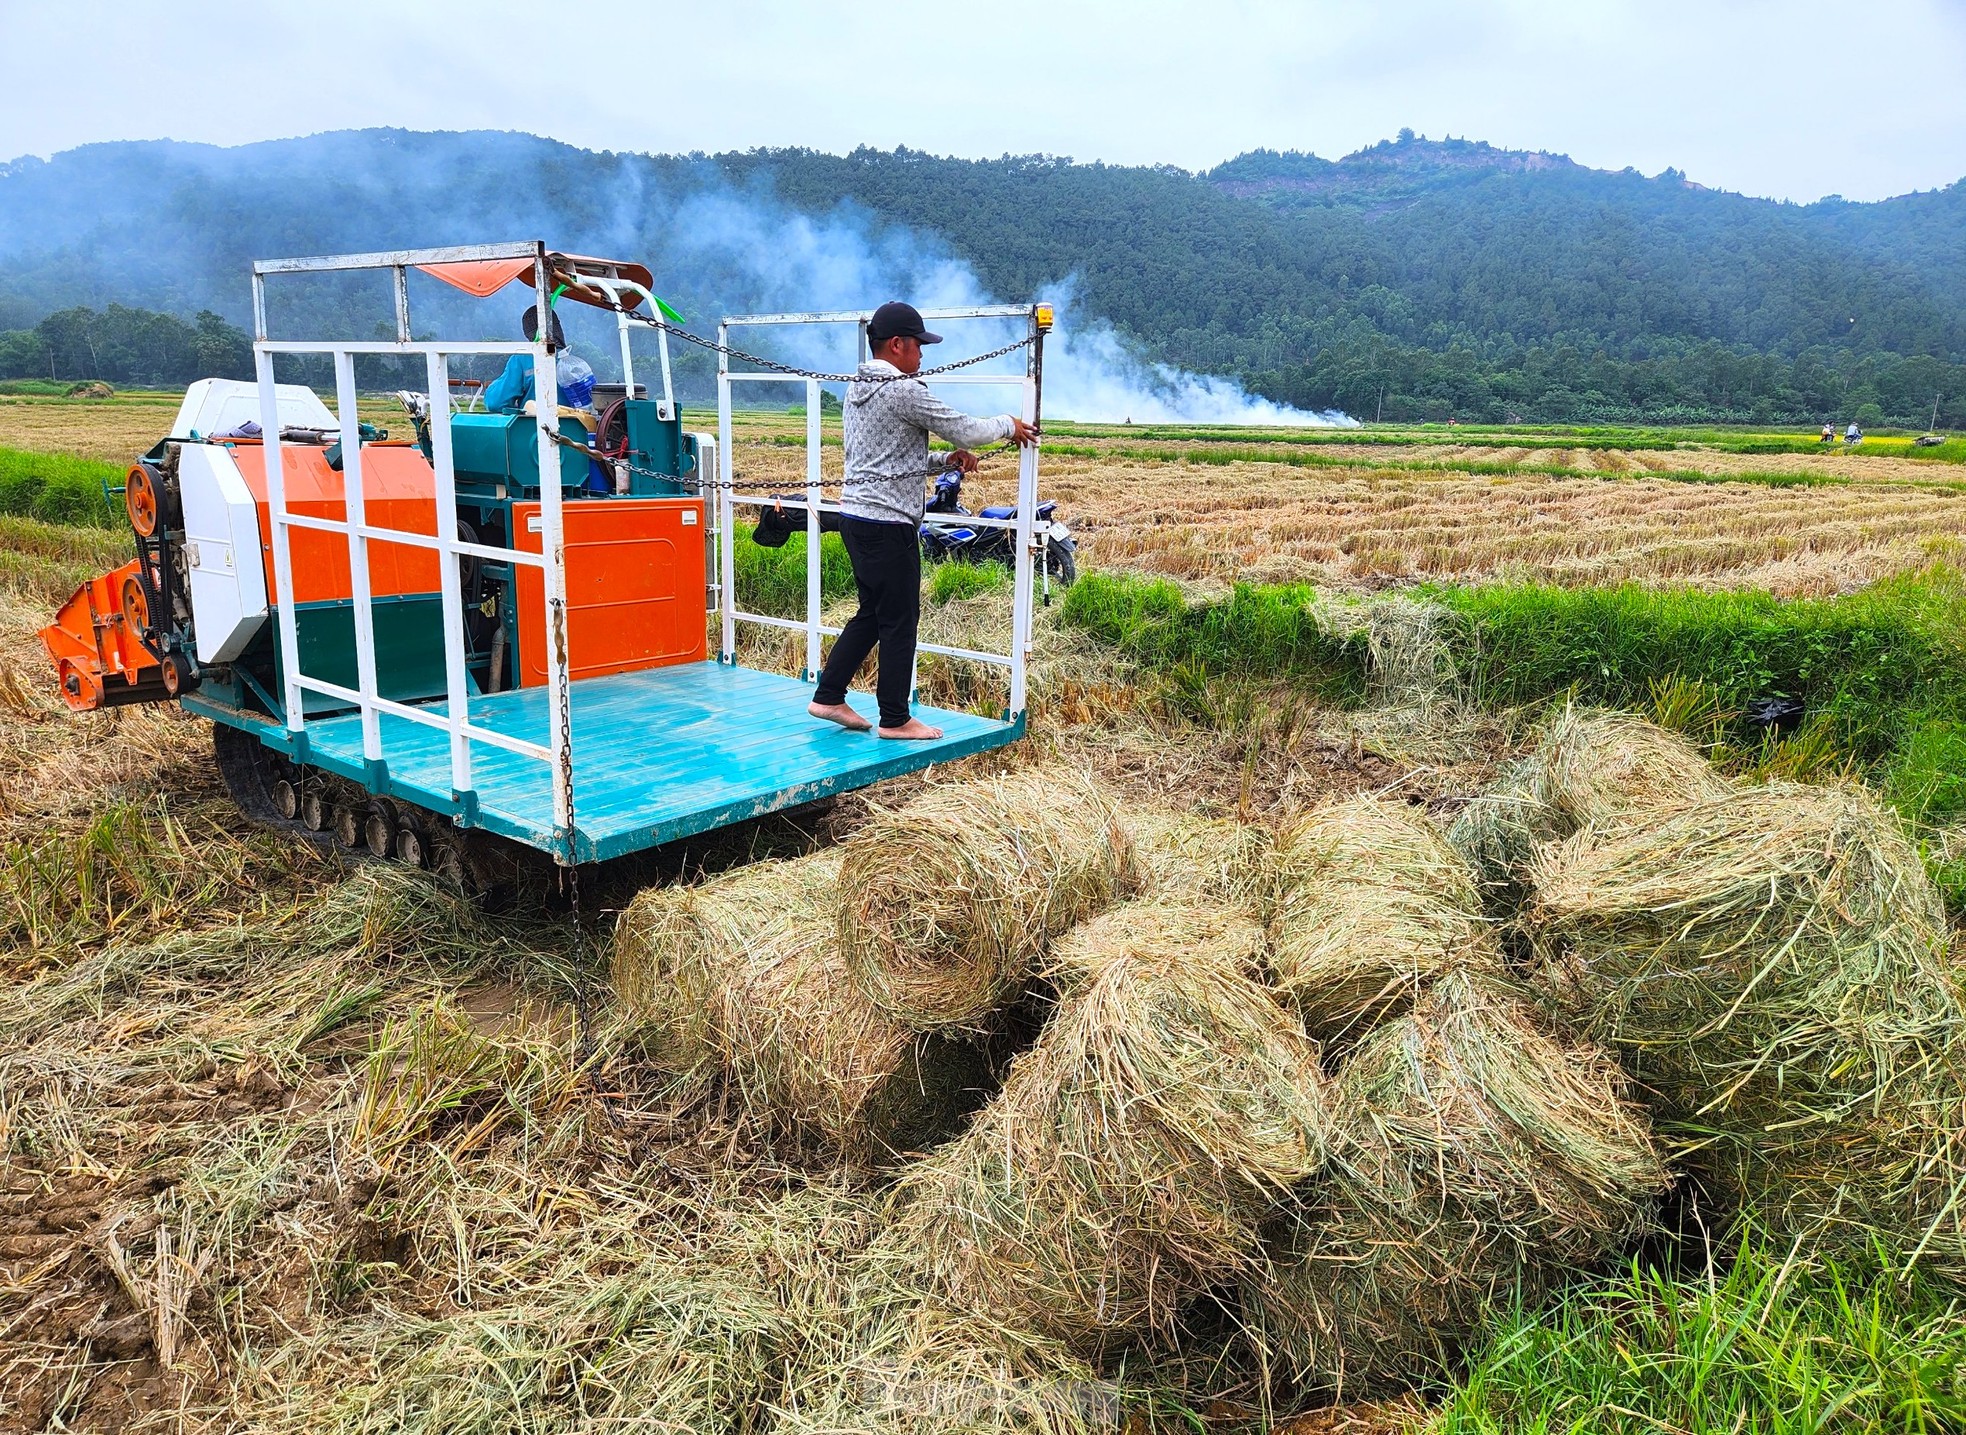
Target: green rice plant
(58,488)
(773,580)
(1766,1344)
(46,562)
(1868,665)
(950,582)
(1274,632)
(1691,707)
(1927,779)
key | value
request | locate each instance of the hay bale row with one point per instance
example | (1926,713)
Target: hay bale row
(948,903)
(741,977)
(1367,904)
(1134,1152)
(1772,967)
(1473,1156)
(1589,769)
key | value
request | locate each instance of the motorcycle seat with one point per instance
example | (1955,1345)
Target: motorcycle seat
(1000,510)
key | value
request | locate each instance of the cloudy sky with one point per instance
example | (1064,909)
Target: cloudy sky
(1787,98)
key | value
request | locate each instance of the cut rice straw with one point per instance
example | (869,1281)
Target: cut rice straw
(1590,768)
(949,902)
(1474,1158)
(1135,1150)
(1367,904)
(742,976)
(1772,967)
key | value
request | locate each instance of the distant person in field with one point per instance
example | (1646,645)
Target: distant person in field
(888,417)
(1853,434)
(512,390)
(1829,432)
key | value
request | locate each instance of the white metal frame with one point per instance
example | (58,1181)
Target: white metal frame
(551,560)
(1030,533)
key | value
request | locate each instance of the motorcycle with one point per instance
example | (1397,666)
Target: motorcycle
(945,537)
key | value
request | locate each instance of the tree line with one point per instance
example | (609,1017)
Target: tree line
(125,345)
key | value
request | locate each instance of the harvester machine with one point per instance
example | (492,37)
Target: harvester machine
(493,639)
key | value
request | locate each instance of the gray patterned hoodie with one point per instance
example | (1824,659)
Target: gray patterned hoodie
(886,431)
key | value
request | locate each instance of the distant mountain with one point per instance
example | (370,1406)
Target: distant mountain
(1417,278)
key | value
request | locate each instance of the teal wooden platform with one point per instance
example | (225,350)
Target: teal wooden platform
(658,755)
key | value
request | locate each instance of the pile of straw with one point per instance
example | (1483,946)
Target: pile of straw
(910,1366)
(1472,1156)
(1134,1152)
(742,977)
(948,903)
(1366,904)
(1590,768)
(1772,968)
(1186,858)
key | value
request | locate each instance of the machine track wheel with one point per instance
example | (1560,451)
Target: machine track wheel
(348,827)
(315,813)
(411,849)
(379,829)
(286,800)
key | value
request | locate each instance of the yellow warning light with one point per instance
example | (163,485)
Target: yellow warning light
(1045,316)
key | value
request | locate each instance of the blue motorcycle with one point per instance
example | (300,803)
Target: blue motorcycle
(946,537)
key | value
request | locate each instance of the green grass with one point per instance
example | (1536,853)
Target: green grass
(773,580)
(1254,632)
(1764,1348)
(1872,666)
(57,488)
(951,582)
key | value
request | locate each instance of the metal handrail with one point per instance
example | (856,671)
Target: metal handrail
(1026,527)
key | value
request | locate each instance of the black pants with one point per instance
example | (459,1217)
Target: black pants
(887,569)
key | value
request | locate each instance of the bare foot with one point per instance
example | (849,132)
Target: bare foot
(840,713)
(913,730)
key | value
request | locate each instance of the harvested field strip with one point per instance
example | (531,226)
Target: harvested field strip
(1224,454)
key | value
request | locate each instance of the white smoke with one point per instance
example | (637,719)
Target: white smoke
(759,255)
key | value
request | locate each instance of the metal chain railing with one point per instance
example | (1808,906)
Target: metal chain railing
(793,371)
(761,485)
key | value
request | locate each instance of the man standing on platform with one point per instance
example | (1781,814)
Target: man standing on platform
(888,417)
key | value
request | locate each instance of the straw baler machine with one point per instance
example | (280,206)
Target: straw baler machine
(552,693)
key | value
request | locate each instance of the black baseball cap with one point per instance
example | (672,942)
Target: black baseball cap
(896,320)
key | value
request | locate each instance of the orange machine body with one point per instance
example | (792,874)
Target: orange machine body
(398,491)
(93,641)
(635,589)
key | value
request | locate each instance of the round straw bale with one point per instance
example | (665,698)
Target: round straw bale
(1473,1156)
(1367,903)
(1135,1150)
(1599,767)
(1590,768)
(742,976)
(1772,967)
(912,1367)
(949,902)
(1184,857)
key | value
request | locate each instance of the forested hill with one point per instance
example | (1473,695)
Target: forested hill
(1414,279)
